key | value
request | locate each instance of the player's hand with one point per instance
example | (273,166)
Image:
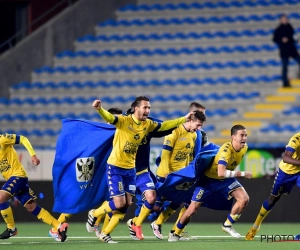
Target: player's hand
(285,39)
(248,175)
(188,117)
(34,160)
(97,104)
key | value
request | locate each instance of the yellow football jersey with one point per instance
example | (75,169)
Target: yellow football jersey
(9,161)
(293,146)
(178,151)
(226,156)
(127,139)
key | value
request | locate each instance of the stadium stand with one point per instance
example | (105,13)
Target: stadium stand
(219,53)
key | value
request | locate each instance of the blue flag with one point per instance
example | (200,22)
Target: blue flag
(179,186)
(79,169)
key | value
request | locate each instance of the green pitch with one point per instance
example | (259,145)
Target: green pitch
(209,236)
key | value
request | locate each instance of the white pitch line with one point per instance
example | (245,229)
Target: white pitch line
(117,237)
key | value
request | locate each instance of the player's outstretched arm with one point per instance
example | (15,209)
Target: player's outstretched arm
(225,173)
(26,143)
(102,112)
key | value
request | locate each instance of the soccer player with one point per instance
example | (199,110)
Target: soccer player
(16,185)
(129,134)
(287,176)
(177,153)
(65,217)
(218,185)
(201,141)
(145,186)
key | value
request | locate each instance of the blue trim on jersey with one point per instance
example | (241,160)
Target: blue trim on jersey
(115,121)
(157,128)
(17,139)
(222,162)
(290,149)
(166,147)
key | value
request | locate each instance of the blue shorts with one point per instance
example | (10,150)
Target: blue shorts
(284,183)
(215,194)
(144,182)
(120,180)
(18,187)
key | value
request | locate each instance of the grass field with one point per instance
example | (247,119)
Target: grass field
(209,236)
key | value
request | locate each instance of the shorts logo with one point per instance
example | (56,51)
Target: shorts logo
(120,186)
(233,185)
(199,195)
(85,169)
(150,184)
(132,187)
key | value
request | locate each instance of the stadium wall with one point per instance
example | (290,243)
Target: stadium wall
(55,36)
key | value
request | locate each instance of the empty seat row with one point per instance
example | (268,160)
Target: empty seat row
(200,6)
(192,21)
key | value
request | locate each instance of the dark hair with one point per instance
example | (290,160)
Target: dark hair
(196,105)
(282,15)
(199,115)
(115,111)
(137,102)
(236,128)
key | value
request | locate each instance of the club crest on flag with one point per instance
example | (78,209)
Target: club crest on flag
(85,169)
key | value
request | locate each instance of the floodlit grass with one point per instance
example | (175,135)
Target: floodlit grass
(209,236)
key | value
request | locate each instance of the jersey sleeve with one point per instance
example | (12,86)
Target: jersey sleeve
(166,125)
(224,155)
(293,144)
(9,139)
(168,146)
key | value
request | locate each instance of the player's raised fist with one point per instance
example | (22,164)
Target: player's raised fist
(34,160)
(97,104)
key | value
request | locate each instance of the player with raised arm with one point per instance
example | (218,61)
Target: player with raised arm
(16,185)
(130,131)
(218,185)
(287,176)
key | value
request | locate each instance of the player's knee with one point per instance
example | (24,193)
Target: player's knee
(30,206)
(151,199)
(245,200)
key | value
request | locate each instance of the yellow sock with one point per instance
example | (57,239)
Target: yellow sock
(106,221)
(142,215)
(98,221)
(178,231)
(164,216)
(134,219)
(100,218)
(47,218)
(102,210)
(114,221)
(8,217)
(62,218)
(183,209)
(233,217)
(260,217)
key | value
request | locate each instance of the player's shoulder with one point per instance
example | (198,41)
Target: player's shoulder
(296,137)
(226,145)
